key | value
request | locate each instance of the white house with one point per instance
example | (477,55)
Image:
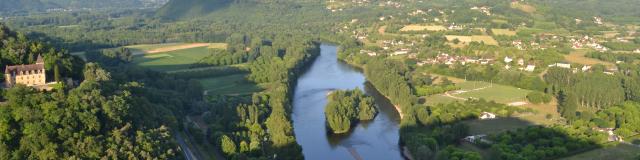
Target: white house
(400,52)
(561,65)
(508,59)
(476,138)
(530,68)
(586,68)
(487,115)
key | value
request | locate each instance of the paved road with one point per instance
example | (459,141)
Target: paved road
(185,148)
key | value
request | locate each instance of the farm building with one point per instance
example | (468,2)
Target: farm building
(530,68)
(487,115)
(476,138)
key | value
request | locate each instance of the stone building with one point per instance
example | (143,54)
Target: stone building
(30,75)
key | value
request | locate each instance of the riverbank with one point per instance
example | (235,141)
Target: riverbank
(397,107)
(376,139)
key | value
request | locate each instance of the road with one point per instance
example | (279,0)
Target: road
(188,154)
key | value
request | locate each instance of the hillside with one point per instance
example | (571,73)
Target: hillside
(21,6)
(178,9)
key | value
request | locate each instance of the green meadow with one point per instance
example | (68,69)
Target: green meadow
(481,90)
(236,84)
(183,60)
(172,60)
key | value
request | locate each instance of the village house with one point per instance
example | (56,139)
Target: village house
(487,115)
(597,20)
(370,53)
(530,68)
(400,52)
(612,137)
(507,59)
(477,138)
(29,75)
(561,65)
(586,68)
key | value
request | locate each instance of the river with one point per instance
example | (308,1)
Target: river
(377,139)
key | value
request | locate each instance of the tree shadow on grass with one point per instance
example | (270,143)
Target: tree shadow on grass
(527,142)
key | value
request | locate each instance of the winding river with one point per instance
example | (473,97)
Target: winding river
(377,139)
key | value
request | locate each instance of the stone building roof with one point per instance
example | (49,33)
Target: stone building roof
(18,69)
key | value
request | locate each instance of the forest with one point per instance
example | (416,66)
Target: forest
(97,118)
(276,64)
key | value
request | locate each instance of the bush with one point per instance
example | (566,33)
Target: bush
(538,97)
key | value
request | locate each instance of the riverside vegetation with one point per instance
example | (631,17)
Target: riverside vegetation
(346,108)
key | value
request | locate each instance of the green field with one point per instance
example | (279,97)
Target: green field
(620,151)
(476,89)
(236,84)
(173,60)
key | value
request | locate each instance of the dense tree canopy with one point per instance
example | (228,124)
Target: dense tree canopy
(345,108)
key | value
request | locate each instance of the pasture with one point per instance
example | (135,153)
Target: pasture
(503,32)
(236,84)
(620,151)
(578,56)
(172,60)
(415,27)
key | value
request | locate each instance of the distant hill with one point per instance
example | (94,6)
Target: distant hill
(178,9)
(25,6)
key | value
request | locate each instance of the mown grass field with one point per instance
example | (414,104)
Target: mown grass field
(476,89)
(620,151)
(178,59)
(236,84)
(173,60)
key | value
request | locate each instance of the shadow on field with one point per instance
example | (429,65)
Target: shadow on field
(501,139)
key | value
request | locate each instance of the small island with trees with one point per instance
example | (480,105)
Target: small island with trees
(346,108)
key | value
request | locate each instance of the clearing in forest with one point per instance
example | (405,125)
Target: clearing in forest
(523,7)
(416,27)
(172,60)
(236,84)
